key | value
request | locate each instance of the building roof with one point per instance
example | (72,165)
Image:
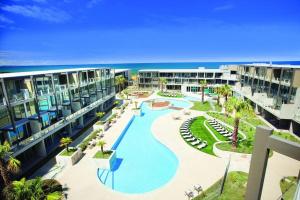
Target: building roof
(182,70)
(272,65)
(33,73)
(121,70)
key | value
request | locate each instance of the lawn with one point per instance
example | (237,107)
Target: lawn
(104,155)
(234,189)
(288,187)
(199,131)
(245,146)
(201,106)
(68,153)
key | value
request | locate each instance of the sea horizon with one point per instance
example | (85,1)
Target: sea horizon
(134,67)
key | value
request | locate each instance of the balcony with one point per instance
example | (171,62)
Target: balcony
(39,136)
(22,96)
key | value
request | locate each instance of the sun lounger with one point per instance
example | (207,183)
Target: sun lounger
(191,139)
(187,136)
(198,188)
(223,132)
(196,142)
(202,145)
(186,133)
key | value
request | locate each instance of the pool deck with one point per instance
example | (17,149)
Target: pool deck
(194,167)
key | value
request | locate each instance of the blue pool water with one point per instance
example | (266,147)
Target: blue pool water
(143,163)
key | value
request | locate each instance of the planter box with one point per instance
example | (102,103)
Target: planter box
(69,160)
(137,112)
(106,163)
(104,126)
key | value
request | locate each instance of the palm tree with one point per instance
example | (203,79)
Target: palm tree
(120,81)
(162,83)
(12,165)
(203,84)
(30,189)
(65,142)
(102,143)
(239,108)
(226,91)
(218,91)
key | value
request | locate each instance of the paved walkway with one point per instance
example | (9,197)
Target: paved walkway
(194,167)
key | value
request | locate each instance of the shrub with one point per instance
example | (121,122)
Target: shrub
(51,185)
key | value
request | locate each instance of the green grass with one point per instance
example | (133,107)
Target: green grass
(68,153)
(170,94)
(243,147)
(286,136)
(199,131)
(201,106)
(218,108)
(255,121)
(104,155)
(288,187)
(234,189)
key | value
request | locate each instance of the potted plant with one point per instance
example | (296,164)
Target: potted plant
(136,109)
(104,159)
(68,155)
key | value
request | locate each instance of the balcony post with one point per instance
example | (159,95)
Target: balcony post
(79,88)
(36,103)
(291,86)
(55,97)
(279,86)
(69,92)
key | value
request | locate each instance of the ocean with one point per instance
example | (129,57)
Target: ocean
(134,67)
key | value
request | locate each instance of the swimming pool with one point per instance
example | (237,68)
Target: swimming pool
(143,164)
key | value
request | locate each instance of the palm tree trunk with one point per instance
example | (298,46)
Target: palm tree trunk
(235,132)
(102,149)
(218,100)
(202,94)
(226,98)
(67,148)
(119,88)
(4,173)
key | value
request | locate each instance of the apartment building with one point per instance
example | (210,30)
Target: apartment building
(187,80)
(274,91)
(39,108)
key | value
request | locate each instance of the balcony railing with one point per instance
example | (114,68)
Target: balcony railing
(32,140)
(17,97)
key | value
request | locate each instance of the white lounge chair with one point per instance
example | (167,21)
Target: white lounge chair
(198,188)
(189,194)
(196,142)
(186,133)
(202,145)
(191,139)
(187,136)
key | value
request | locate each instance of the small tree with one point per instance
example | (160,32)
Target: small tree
(239,108)
(12,165)
(65,142)
(218,91)
(102,143)
(226,91)
(162,83)
(100,114)
(203,84)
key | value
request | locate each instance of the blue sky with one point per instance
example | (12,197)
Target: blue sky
(119,31)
